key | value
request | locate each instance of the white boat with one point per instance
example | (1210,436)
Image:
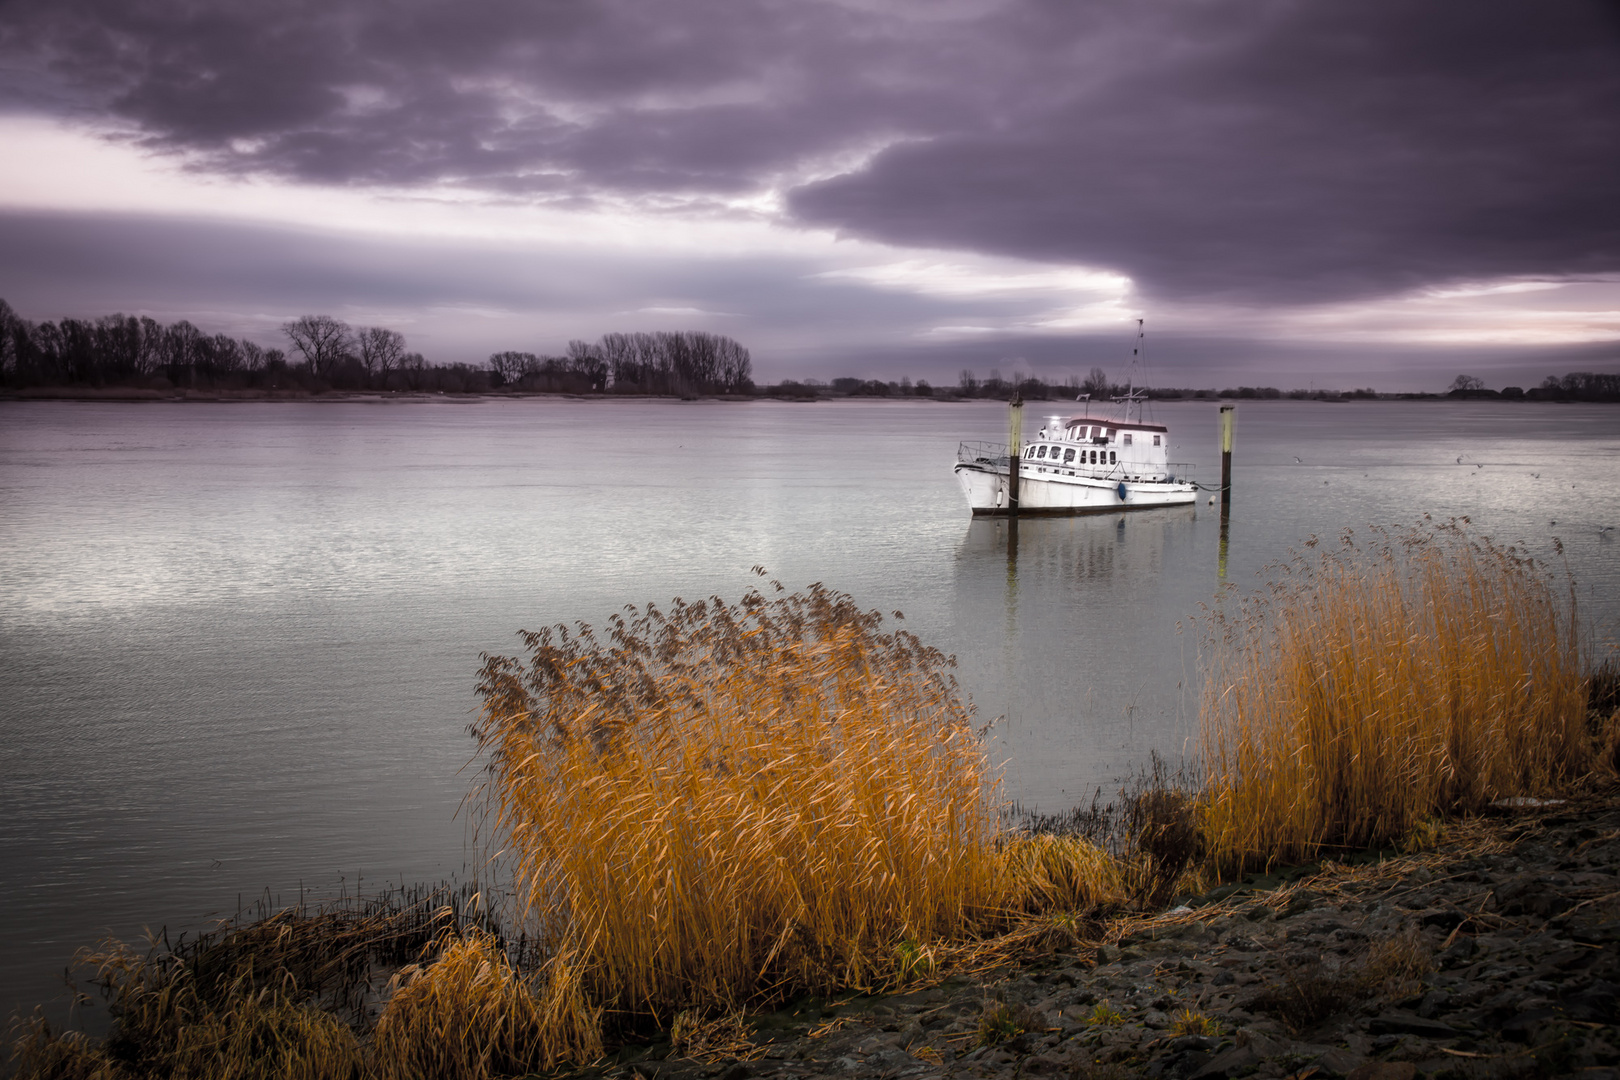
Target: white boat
(1081,464)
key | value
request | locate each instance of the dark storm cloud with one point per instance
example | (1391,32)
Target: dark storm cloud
(1245,150)
(1292,152)
(567,96)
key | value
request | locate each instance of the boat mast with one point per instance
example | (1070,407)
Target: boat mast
(1131,395)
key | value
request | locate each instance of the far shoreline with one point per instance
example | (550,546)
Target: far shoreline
(142,395)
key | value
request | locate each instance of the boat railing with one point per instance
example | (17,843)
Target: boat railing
(983,453)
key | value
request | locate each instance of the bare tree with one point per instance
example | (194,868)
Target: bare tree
(1095,384)
(226,353)
(510,367)
(183,348)
(119,340)
(586,361)
(414,367)
(1467,382)
(736,367)
(381,350)
(11,328)
(323,341)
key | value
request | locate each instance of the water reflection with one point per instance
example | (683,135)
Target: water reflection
(1086,668)
(1070,550)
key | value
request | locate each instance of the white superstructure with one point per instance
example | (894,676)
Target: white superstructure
(1082,464)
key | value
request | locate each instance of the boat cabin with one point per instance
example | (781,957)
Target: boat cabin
(1098,448)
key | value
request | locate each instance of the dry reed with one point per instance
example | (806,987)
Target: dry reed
(721,805)
(1378,685)
(468,1014)
(276,993)
(229,1025)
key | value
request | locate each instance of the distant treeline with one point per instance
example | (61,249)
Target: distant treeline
(324,353)
(327,354)
(1576,386)
(676,363)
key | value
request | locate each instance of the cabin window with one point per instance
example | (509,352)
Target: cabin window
(1110,433)
(1094,457)
(1068,456)
(1030,452)
(1112,459)
(1155,440)
(1040,452)
(1126,440)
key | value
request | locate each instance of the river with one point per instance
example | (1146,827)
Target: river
(239,641)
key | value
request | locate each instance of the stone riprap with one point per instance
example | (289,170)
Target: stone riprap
(1495,954)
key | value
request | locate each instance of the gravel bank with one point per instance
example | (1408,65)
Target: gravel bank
(1494,954)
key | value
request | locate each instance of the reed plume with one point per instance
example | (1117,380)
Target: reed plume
(722,804)
(1379,684)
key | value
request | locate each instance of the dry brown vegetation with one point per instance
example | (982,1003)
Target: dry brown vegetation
(715,807)
(1427,672)
(721,805)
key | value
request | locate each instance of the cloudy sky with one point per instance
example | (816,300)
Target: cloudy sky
(1291,192)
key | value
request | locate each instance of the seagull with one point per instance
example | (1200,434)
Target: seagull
(1536,475)
(1297,461)
(1477,465)
(1459,459)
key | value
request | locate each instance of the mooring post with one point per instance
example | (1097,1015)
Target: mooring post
(1227,412)
(1015,449)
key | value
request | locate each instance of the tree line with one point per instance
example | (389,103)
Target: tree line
(677,363)
(326,353)
(1576,386)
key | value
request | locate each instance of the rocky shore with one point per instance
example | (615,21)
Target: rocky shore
(1495,953)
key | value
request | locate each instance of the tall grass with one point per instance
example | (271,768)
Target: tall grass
(722,804)
(286,993)
(172,1021)
(469,1014)
(1378,684)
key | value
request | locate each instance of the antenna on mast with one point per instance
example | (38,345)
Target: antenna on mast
(1131,396)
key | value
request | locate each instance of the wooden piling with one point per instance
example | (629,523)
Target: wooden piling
(1227,414)
(1015,450)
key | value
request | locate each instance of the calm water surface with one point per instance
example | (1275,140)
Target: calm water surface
(239,641)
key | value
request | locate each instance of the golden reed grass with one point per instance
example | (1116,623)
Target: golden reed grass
(468,1014)
(723,804)
(171,1023)
(1379,684)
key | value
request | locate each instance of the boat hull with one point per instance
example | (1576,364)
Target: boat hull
(985,487)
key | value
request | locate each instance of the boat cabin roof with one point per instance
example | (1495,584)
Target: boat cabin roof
(1115,424)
